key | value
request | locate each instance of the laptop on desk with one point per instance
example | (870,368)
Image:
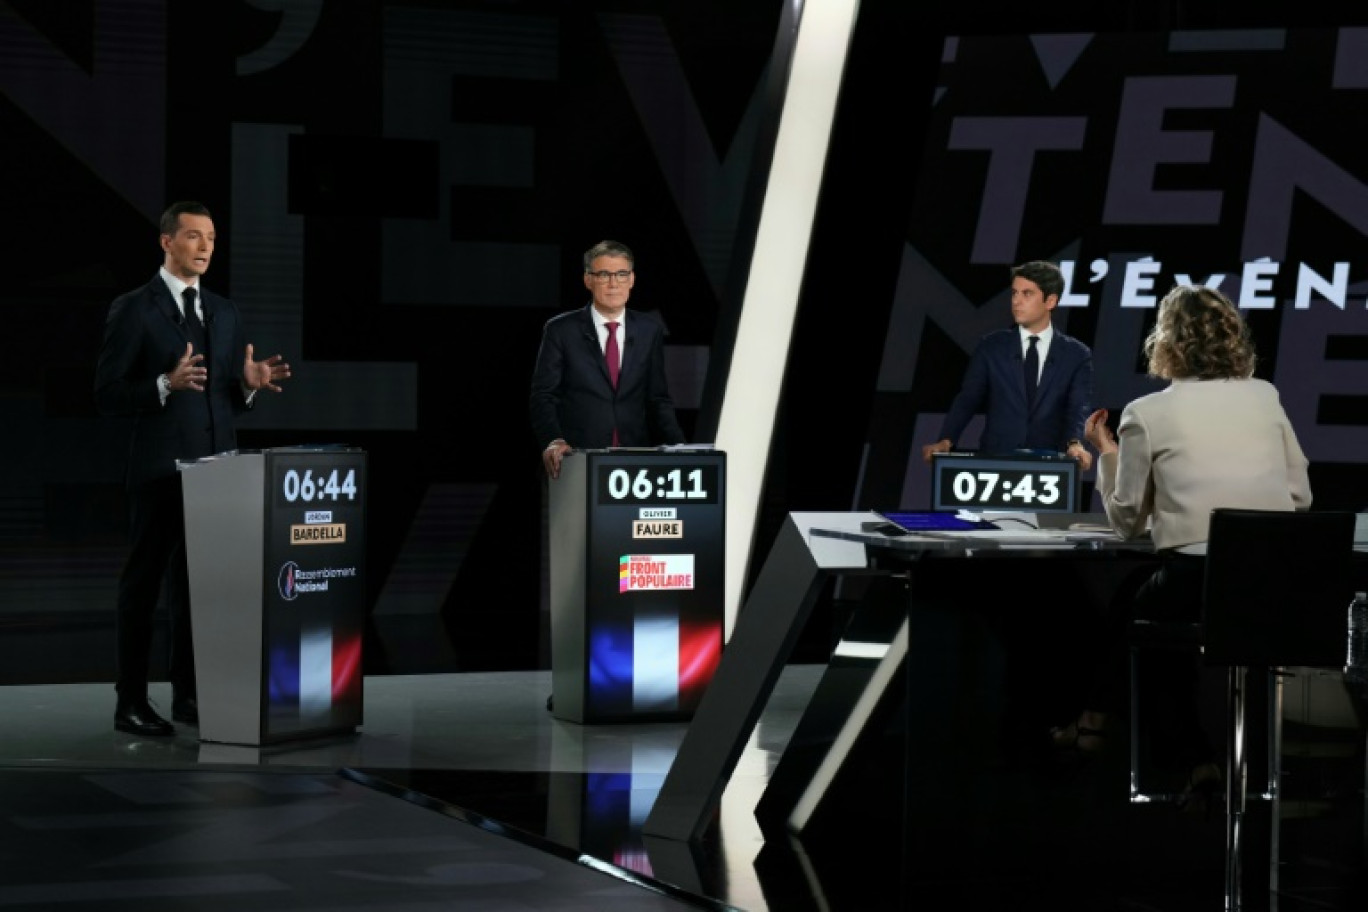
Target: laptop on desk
(1004,531)
(912,522)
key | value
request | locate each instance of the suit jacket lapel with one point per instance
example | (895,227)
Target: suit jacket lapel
(635,349)
(1050,369)
(1017,364)
(161,296)
(595,348)
(218,325)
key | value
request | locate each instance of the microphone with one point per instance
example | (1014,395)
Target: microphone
(208,312)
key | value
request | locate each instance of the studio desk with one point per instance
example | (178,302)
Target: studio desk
(976,659)
(941,664)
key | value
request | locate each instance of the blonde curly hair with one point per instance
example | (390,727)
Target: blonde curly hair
(1199,335)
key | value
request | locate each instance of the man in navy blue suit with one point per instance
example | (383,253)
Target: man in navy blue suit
(998,382)
(599,379)
(175,361)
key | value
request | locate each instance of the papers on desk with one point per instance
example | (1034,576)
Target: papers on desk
(1024,538)
(1008,519)
(1091,527)
(1075,533)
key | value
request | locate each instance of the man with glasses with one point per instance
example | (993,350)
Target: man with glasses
(599,380)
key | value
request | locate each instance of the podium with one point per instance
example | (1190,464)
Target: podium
(637,587)
(275,544)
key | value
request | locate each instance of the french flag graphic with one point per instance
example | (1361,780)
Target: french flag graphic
(672,662)
(322,669)
(329,670)
(659,661)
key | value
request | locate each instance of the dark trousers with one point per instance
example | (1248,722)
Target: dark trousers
(1168,678)
(157,556)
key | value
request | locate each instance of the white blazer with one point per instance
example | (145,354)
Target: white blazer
(1196,446)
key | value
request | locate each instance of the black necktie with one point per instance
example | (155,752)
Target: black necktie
(1031,371)
(191,315)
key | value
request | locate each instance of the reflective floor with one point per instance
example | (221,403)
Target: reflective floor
(460,791)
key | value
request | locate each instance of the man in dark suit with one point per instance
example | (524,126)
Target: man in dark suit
(174,360)
(1033,383)
(599,379)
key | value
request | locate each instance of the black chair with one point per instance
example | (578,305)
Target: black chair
(1275,590)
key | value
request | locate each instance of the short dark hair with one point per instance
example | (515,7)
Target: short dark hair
(1199,335)
(1044,273)
(608,248)
(170,219)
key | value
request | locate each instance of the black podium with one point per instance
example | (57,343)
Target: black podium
(637,582)
(275,543)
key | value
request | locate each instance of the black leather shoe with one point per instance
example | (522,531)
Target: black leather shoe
(186,710)
(137,717)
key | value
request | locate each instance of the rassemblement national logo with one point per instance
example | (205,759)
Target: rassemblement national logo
(292,581)
(285,581)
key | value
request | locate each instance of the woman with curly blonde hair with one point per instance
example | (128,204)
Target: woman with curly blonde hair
(1215,437)
(1199,336)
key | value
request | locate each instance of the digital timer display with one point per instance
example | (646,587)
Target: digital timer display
(644,484)
(1035,485)
(317,478)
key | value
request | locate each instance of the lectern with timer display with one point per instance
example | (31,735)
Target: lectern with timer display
(637,557)
(276,543)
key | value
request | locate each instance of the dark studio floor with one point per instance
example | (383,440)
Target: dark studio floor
(462,791)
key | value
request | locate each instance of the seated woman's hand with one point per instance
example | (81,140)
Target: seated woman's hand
(1098,434)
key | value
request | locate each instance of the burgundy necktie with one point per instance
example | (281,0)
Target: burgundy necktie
(610,352)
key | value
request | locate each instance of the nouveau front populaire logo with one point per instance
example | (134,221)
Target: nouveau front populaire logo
(655,572)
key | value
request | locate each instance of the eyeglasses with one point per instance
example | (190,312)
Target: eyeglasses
(603,277)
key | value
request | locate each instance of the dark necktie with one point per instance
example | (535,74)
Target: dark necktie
(200,340)
(610,352)
(191,315)
(1031,371)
